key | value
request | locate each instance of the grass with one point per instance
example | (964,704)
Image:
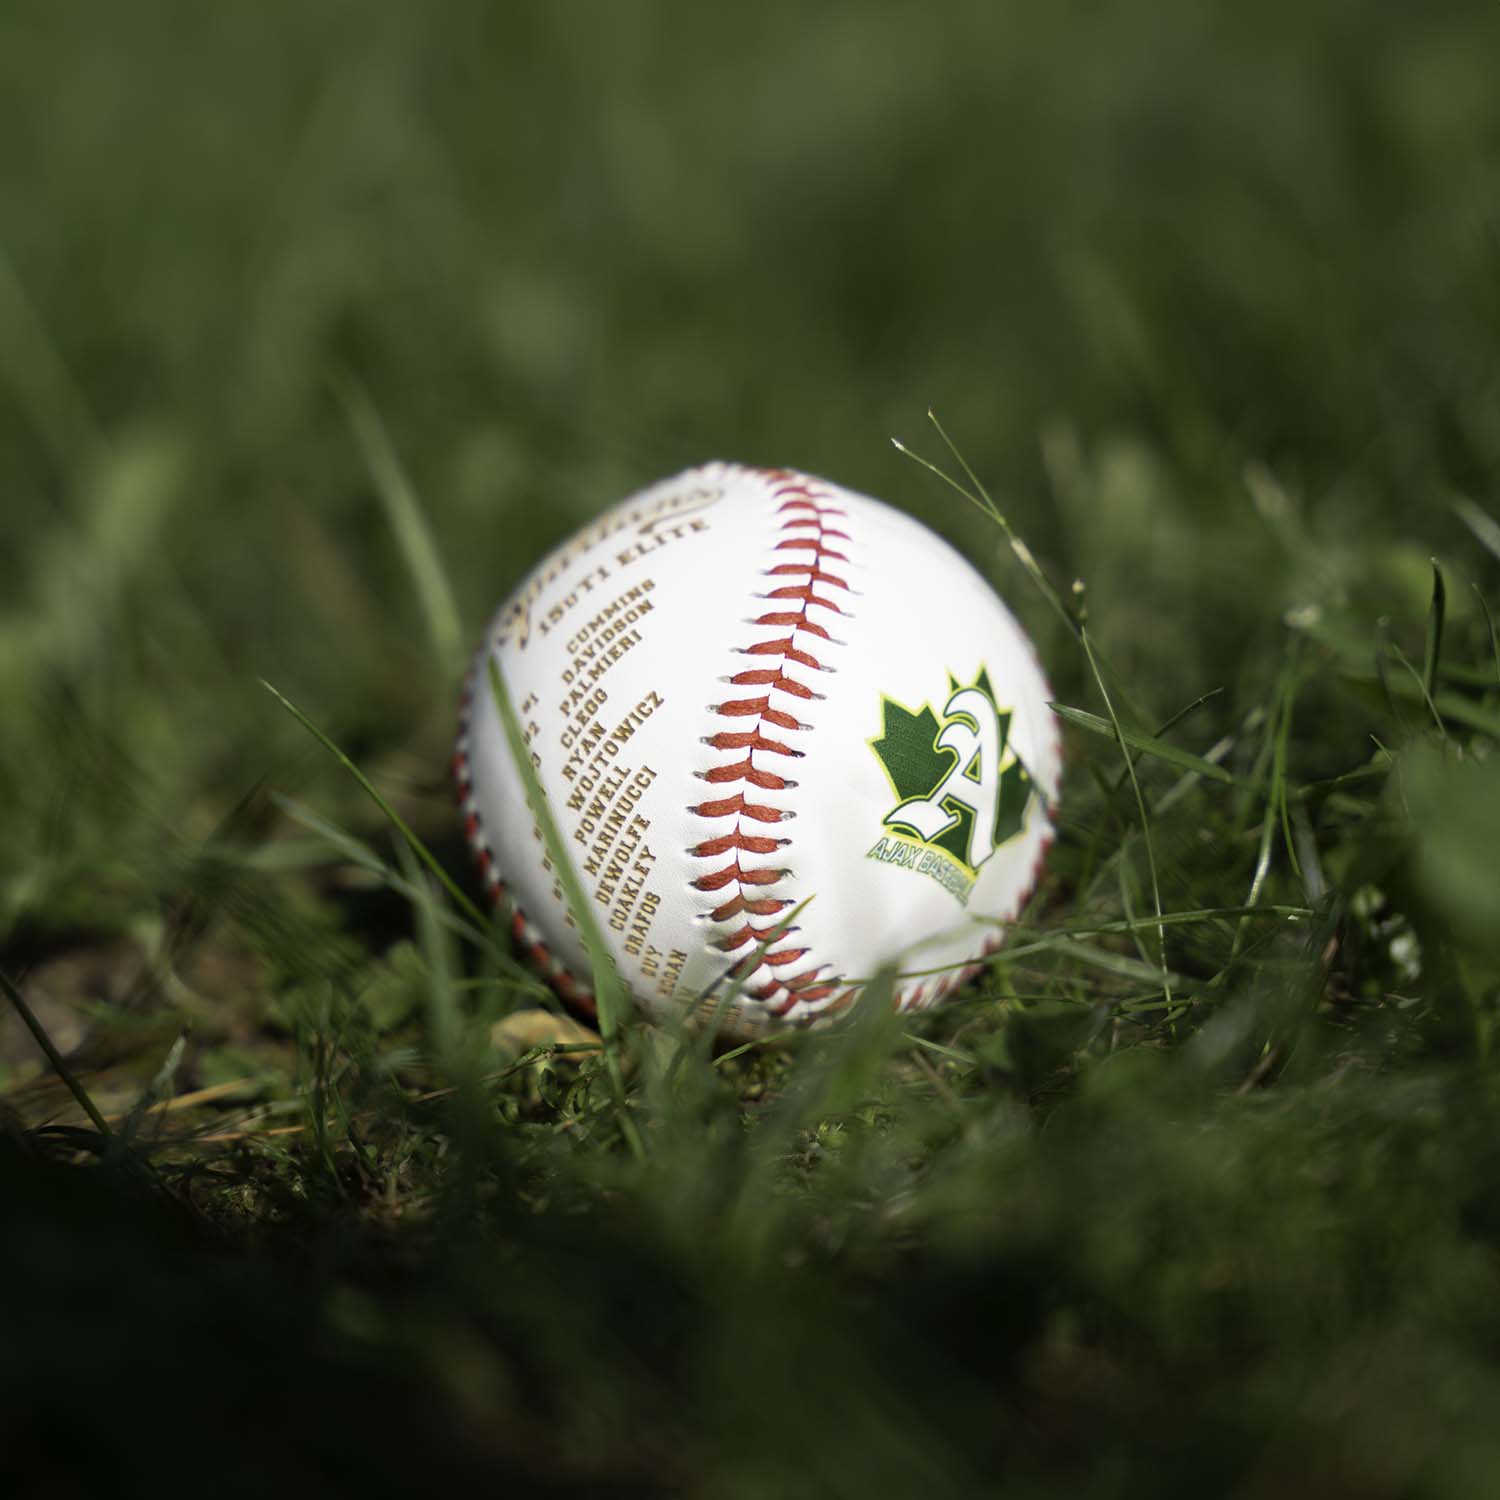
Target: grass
(315,332)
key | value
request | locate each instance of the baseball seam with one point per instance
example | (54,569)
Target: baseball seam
(803,558)
(528,938)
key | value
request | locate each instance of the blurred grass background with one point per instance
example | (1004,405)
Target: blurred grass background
(1208,295)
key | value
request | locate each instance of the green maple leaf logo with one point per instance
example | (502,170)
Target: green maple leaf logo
(908,749)
(917,765)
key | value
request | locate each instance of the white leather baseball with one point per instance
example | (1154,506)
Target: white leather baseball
(744,689)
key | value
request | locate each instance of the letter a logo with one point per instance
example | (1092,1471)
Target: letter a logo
(961,787)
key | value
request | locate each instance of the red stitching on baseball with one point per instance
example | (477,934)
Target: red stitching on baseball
(743,770)
(739,903)
(806,595)
(805,516)
(526,937)
(736,806)
(799,619)
(750,934)
(827,532)
(815,543)
(761,708)
(764,875)
(784,647)
(815,992)
(776,678)
(810,571)
(755,740)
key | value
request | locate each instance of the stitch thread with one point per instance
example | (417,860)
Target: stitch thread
(526,937)
(806,518)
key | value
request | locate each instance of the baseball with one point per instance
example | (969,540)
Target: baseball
(744,690)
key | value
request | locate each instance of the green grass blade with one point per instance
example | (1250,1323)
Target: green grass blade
(156,1089)
(360,854)
(1436,614)
(1071,939)
(1148,744)
(836,1072)
(948,1054)
(1419,681)
(1187,711)
(444,1017)
(54,1057)
(1445,707)
(1484,526)
(1074,614)
(1140,802)
(1279,758)
(395,819)
(610,996)
(1022,551)
(1489,621)
(716,999)
(404,512)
